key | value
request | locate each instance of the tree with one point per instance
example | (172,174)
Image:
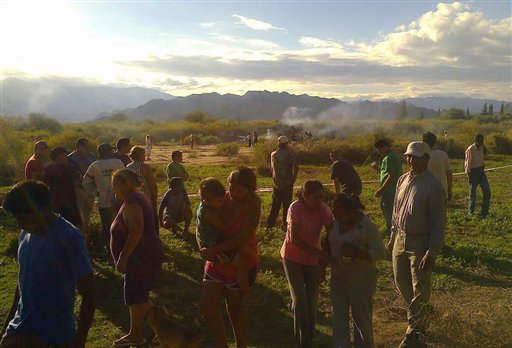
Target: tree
(484,109)
(402,113)
(502,109)
(468,115)
(195,117)
(453,114)
(41,121)
(491,109)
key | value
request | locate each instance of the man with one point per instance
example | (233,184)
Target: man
(419,216)
(474,167)
(81,159)
(439,164)
(34,168)
(284,174)
(343,175)
(175,168)
(53,263)
(390,171)
(123,149)
(98,179)
(63,179)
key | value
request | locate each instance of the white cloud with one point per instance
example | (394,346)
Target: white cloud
(255,24)
(255,43)
(209,25)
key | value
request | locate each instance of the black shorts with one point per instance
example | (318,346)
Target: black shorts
(136,288)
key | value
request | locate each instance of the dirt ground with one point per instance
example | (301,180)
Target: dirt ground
(201,154)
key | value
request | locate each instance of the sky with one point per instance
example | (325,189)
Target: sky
(349,50)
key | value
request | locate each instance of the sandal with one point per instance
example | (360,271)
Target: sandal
(154,343)
(127,343)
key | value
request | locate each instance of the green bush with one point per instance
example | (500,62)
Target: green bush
(228,149)
(68,137)
(501,145)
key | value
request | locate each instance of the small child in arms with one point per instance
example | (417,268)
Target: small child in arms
(210,224)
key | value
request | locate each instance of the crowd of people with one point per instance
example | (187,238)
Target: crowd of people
(53,209)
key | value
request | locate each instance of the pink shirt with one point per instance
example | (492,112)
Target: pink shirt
(310,223)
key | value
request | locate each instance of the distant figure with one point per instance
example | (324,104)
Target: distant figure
(284,174)
(439,164)
(254,138)
(98,179)
(249,139)
(344,176)
(53,263)
(192,140)
(417,236)
(123,147)
(81,159)
(149,147)
(474,167)
(35,166)
(390,171)
(175,208)
(63,179)
(149,187)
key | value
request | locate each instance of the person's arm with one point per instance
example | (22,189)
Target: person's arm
(394,217)
(87,288)
(185,175)
(163,205)
(334,177)
(12,311)
(468,161)
(337,185)
(134,219)
(449,180)
(297,240)
(436,222)
(215,220)
(391,175)
(295,168)
(150,179)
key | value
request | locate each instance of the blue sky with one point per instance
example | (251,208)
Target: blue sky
(349,50)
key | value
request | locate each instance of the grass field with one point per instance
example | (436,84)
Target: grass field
(472,297)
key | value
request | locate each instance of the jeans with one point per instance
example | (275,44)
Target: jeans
(477,177)
(386,205)
(281,197)
(303,283)
(106,217)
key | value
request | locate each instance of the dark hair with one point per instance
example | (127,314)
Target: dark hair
(245,177)
(380,143)
(175,182)
(127,176)
(347,201)
(29,197)
(310,187)
(479,137)
(136,151)
(211,188)
(81,142)
(175,154)
(335,154)
(430,138)
(282,146)
(122,143)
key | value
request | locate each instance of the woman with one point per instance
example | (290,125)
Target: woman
(219,281)
(149,147)
(301,252)
(136,249)
(355,245)
(149,187)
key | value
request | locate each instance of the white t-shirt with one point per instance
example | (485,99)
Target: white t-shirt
(438,165)
(98,178)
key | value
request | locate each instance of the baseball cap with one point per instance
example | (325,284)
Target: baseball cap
(283,140)
(57,151)
(417,149)
(104,148)
(41,145)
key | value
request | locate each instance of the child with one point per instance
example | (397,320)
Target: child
(210,224)
(175,168)
(175,208)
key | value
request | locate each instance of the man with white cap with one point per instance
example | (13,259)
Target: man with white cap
(284,174)
(417,236)
(35,166)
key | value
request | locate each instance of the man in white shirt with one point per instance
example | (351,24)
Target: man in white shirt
(439,164)
(98,179)
(474,167)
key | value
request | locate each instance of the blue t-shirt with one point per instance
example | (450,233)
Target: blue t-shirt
(50,265)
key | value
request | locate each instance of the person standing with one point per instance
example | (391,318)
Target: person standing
(390,171)
(418,228)
(284,174)
(354,245)
(301,252)
(123,147)
(63,179)
(35,166)
(192,141)
(149,147)
(53,263)
(439,164)
(98,179)
(343,175)
(474,167)
(149,187)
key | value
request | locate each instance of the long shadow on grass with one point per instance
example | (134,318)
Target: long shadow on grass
(474,278)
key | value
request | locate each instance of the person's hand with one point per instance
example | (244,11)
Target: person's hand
(390,246)
(122,264)
(208,254)
(349,250)
(427,262)
(378,193)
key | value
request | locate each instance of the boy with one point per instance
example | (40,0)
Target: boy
(210,225)
(176,169)
(175,208)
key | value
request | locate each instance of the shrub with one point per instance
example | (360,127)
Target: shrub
(501,145)
(228,149)
(261,158)
(68,137)
(41,121)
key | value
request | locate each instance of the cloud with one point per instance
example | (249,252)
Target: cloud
(209,25)
(257,43)
(255,24)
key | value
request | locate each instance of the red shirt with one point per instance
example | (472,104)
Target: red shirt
(34,165)
(60,178)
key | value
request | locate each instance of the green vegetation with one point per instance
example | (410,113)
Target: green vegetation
(228,149)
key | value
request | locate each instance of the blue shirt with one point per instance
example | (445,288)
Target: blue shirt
(50,265)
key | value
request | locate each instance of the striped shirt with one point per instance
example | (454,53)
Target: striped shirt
(136,167)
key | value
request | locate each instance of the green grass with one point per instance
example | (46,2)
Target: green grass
(472,282)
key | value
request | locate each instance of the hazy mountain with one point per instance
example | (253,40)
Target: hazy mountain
(70,100)
(475,105)
(270,105)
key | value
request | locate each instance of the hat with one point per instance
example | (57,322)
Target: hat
(283,140)
(41,145)
(104,148)
(417,149)
(57,151)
